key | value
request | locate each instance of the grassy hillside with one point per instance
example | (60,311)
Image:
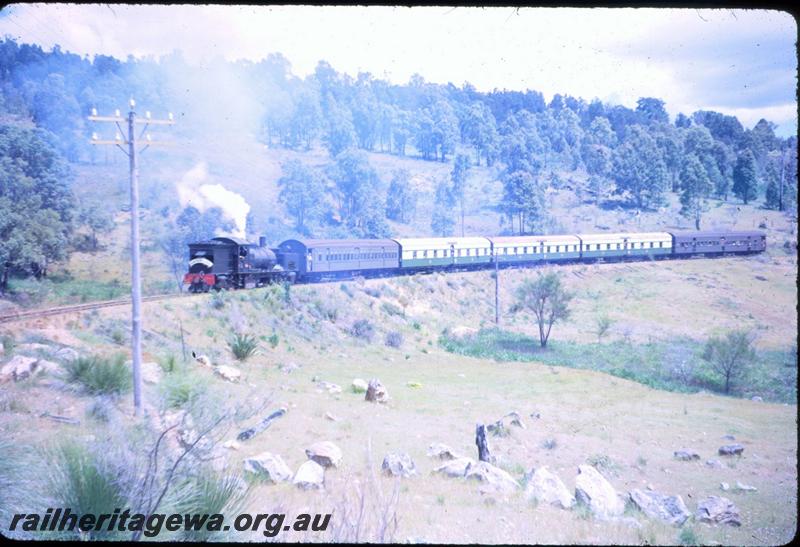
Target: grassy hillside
(628,430)
(252,169)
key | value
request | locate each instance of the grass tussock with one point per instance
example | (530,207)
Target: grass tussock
(180,390)
(100,375)
(243,346)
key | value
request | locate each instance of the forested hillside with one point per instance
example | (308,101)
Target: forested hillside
(259,150)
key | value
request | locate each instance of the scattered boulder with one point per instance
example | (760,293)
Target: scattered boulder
(745,488)
(66,354)
(376,393)
(686,455)
(231,445)
(18,368)
(151,373)
(359,386)
(329,387)
(231,374)
(669,509)
(546,487)
(757,399)
(268,466)
(718,510)
(442,452)
(728,438)
(592,490)
(731,450)
(331,417)
(463,332)
(455,468)
(398,465)
(724,486)
(495,477)
(309,476)
(49,367)
(714,464)
(325,453)
(288,368)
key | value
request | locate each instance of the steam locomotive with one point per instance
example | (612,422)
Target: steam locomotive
(230,263)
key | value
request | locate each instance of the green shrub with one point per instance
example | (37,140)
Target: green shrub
(169,363)
(8,343)
(392,309)
(273,340)
(207,494)
(687,536)
(345,288)
(374,292)
(179,390)
(394,339)
(363,330)
(243,346)
(218,301)
(86,483)
(100,375)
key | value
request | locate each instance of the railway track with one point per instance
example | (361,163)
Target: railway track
(75,308)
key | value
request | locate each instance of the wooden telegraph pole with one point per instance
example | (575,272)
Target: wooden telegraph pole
(136,284)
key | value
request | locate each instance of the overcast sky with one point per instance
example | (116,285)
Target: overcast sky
(740,62)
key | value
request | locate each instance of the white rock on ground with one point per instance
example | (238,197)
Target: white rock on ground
(718,510)
(228,373)
(455,468)
(18,368)
(268,466)
(325,453)
(231,444)
(151,373)
(494,476)
(593,490)
(376,392)
(442,452)
(669,509)
(398,465)
(359,386)
(546,487)
(309,476)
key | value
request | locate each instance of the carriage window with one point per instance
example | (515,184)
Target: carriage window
(548,248)
(661,244)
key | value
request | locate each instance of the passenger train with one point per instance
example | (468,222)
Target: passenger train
(228,263)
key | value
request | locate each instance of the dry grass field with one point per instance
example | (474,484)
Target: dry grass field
(629,430)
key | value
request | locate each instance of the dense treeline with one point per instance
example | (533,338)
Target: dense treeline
(636,155)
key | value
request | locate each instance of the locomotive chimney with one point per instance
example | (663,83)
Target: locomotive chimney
(262,241)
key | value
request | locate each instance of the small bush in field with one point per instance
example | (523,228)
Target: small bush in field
(392,309)
(273,340)
(363,330)
(179,390)
(100,375)
(394,339)
(243,346)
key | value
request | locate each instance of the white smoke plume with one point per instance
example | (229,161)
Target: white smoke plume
(194,191)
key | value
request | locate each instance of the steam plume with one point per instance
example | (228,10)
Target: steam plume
(194,191)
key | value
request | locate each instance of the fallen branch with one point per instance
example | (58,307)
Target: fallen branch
(264,424)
